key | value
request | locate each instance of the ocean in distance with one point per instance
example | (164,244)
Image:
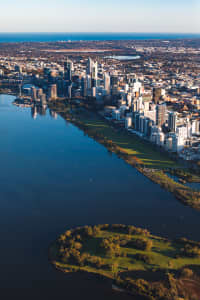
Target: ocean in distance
(75,36)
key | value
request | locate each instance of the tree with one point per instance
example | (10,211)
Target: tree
(115,270)
(186,272)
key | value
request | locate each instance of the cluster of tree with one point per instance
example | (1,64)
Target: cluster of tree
(140,244)
(184,241)
(143,257)
(125,229)
(189,248)
(79,234)
(71,242)
(184,193)
(182,173)
(166,290)
(111,246)
(145,289)
(132,230)
(190,251)
(96,262)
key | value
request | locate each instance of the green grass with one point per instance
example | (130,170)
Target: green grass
(163,255)
(158,271)
(137,152)
(130,143)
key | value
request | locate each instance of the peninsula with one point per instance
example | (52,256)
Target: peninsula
(136,261)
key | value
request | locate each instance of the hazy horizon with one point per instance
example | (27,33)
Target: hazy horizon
(101,32)
(174,16)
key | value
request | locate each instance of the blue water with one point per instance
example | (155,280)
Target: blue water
(54,177)
(53,37)
(124,57)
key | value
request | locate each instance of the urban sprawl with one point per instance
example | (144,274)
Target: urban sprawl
(153,93)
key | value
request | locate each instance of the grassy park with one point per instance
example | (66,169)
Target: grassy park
(127,255)
(132,145)
(152,162)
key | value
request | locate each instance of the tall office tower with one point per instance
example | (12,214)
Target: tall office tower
(89,66)
(89,82)
(139,105)
(137,87)
(94,74)
(60,87)
(161,114)
(68,67)
(84,86)
(146,106)
(92,71)
(39,93)
(34,93)
(172,120)
(157,93)
(149,128)
(137,121)
(129,99)
(94,92)
(114,81)
(107,83)
(69,91)
(52,92)
(94,82)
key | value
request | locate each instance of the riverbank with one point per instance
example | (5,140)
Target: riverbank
(136,261)
(138,153)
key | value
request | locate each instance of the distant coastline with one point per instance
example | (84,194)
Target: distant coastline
(76,36)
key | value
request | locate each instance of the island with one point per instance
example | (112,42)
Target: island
(135,261)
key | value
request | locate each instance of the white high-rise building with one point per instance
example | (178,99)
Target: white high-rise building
(89,66)
(92,69)
(146,106)
(128,122)
(94,74)
(182,132)
(107,82)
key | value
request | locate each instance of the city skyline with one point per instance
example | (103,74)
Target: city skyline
(108,16)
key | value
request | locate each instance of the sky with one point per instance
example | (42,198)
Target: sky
(178,16)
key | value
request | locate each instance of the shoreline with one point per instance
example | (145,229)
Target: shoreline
(184,194)
(128,273)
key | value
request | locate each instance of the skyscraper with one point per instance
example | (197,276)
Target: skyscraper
(114,84)
(84,86)
(172,119)
(92,69)
(68,67)
(107,83)
(157,93)
(95,71)
(89,66)
(160,114)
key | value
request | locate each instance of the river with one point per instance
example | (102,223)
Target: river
(53,177)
